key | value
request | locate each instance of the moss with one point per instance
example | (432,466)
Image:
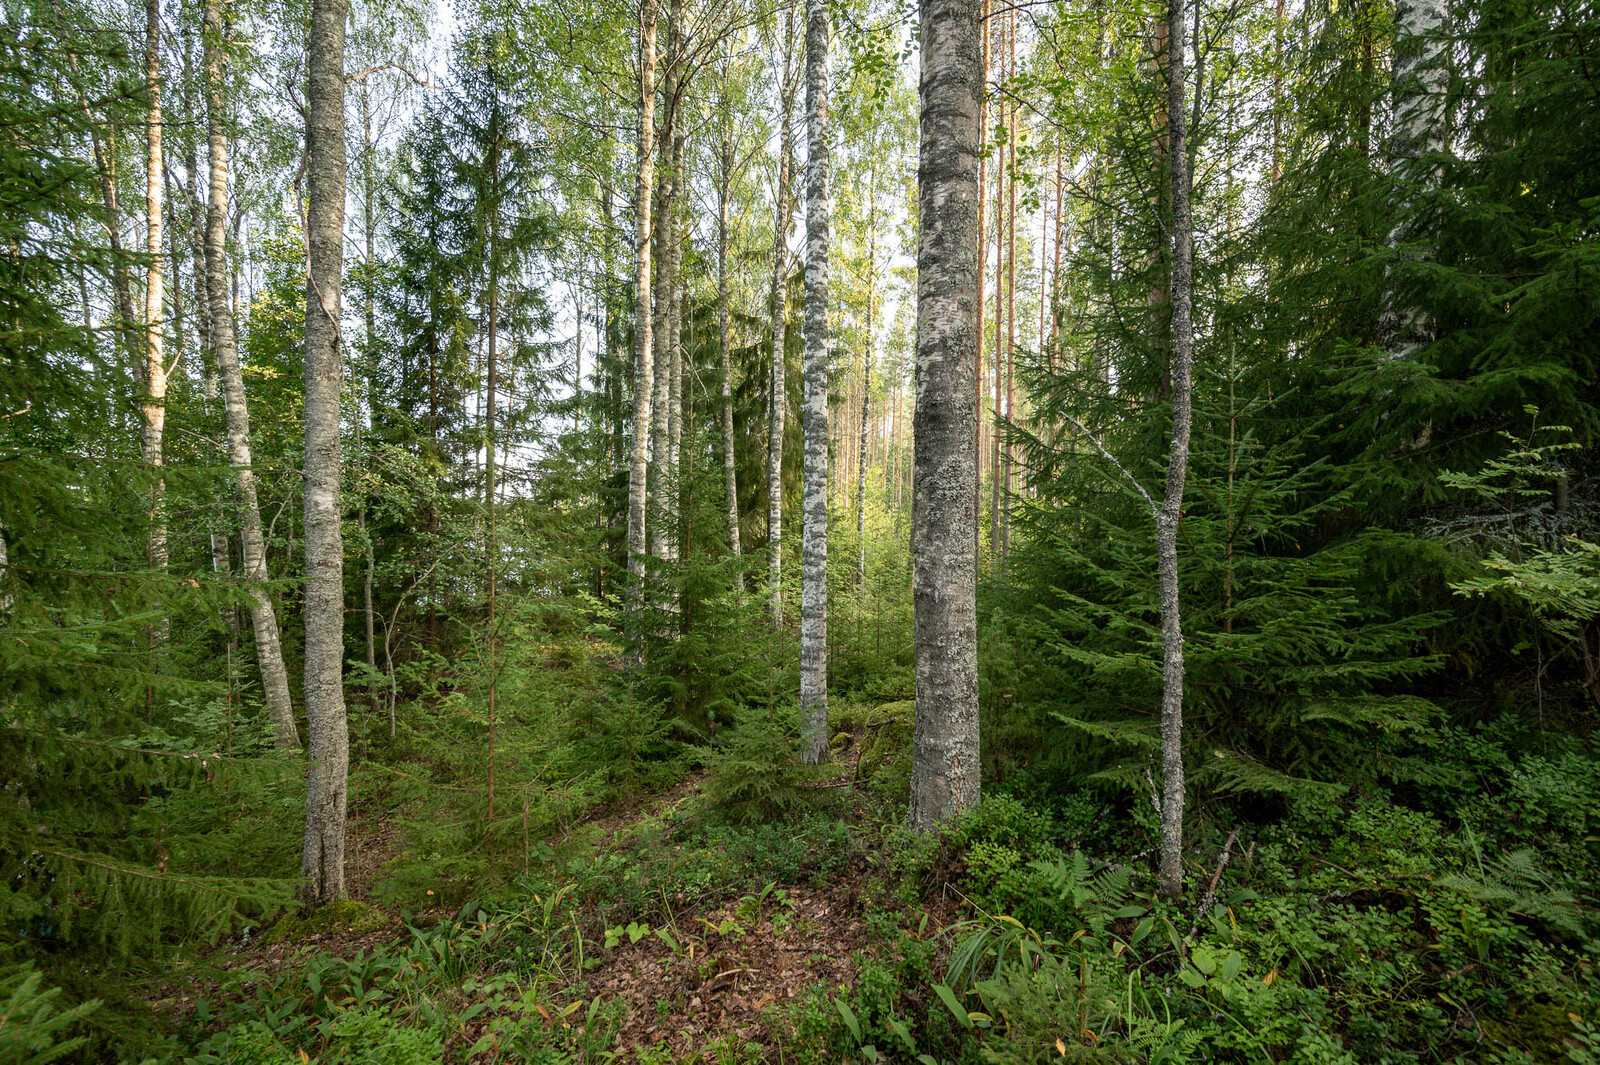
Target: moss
(341,915)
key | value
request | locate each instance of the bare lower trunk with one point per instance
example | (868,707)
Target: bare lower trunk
(1182,340)
(814,534)
(153,408)
(729,467)
(780,313)
(323,862)
(674,231)
(667,184)
(945,774)
(263,619)
(643,376)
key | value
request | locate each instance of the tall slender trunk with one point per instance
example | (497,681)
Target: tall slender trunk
(1182,339)
(369,287)
(1009,461)
(780,317)
(729,466)
(643,375)
(153,408)
(663,532)
(983,266)
(323,862)
(814,532)
(866,385)
(945,773)
(997,358)
(490,424)
(263,619)
(675,416)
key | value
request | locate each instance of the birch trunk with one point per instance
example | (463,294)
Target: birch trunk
(638,467)
(814,529)
(323,862)
(729,467)
(153,408)
(666,373)
(866,385)
(263,619)
(1419,87)
(1181,342)
(780,314)
(945,774)
(675,235)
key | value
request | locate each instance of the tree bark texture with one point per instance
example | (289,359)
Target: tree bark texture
(1419,87)
(236,411)
(323,863)
(780,314)
(643,375)
(1182,349)
(945,774)
(153,408)
(814,533)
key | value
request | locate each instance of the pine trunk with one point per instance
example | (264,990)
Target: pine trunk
(814,533)
(322,865)
(945,774)
(263,619)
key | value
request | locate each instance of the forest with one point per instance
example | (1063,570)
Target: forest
(798,531)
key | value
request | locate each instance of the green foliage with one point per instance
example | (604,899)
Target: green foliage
(33,1030)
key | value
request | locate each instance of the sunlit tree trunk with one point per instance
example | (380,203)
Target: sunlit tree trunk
(945,774)
(153,408)
(643,376)
(263,619)
(780,315)
(814,532)
(323,863)
(1181,341)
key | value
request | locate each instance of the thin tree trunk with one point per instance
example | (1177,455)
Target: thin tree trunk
(675,413)
(263,619)
(643,376)
(490,503)
(866,390)
(369,188)
(997,358)
(1008,463)
(153,409)
(323,863)
(814,533)
(945,774)
(729,465)
(780,315)
(1182,339)
(983,266)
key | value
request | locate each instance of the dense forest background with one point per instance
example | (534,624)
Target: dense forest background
(543,448)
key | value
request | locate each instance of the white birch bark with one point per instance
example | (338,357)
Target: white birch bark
(814,530)
(236,411)
(153,406)
(945,774)
(643,376)
(1419,88)
(322,865)
(1182,349)
(779,399)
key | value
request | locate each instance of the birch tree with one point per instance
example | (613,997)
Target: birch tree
(945,771)
(322,865)
(814,530)
(1181,343)
(153,408)
(236,413)
(1418,89)
(780,312)
(724,193)
(638,466)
